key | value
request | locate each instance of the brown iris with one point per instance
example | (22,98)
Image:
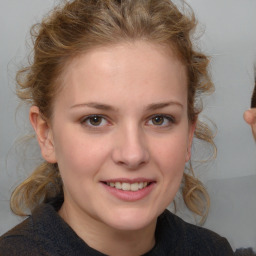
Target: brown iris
(158,120)
(95,120)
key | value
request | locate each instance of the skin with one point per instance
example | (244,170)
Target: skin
(127,85)
(250,118)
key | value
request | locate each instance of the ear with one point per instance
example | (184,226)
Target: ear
(250,118)
(191,131)
(43,134)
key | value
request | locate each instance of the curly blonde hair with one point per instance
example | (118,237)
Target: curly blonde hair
(77,26)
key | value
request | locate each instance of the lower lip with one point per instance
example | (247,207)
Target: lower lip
(130,196)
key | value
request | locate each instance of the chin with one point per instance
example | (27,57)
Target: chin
(132,219)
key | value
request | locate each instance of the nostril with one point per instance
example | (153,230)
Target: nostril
(130,152)
(131,164)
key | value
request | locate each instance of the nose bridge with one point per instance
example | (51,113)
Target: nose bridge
(131,148)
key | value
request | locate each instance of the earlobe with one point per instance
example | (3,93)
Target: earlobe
(43,134)
(192,128)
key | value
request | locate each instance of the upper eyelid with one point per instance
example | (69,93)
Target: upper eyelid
(84,118)
(171,118)
(163,115)
(170,121)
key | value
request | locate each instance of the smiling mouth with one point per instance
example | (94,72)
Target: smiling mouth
(128,186)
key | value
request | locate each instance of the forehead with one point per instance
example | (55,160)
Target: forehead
(128,69)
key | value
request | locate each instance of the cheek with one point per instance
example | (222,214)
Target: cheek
(81,155)
(170,157)
(171,152)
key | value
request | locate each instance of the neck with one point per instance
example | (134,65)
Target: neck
(122,243)
(108,240)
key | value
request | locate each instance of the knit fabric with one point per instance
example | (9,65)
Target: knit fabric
(46,233)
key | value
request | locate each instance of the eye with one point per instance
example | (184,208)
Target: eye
(94,121)
(161,120)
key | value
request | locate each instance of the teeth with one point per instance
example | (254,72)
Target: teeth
(118,185)
(127,186)
(134,187)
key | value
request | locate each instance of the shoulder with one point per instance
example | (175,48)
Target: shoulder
(19,240)
(43,233)
(34,236)
(200,240)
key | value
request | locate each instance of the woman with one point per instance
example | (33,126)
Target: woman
(114,92)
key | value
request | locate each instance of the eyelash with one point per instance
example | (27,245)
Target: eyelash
(170,120)
(90,117)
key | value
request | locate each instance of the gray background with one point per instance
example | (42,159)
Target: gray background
(228,30)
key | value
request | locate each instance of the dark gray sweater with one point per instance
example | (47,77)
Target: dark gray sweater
(46,233)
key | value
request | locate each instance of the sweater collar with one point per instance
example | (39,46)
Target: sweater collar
(48,224)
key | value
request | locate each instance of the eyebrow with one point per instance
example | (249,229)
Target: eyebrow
(95,105)
(153,106)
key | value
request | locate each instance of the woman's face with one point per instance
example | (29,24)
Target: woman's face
(120,134)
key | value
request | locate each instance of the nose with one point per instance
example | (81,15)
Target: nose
(130,149)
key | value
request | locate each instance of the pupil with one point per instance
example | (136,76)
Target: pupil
(158,120)
(96,120)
